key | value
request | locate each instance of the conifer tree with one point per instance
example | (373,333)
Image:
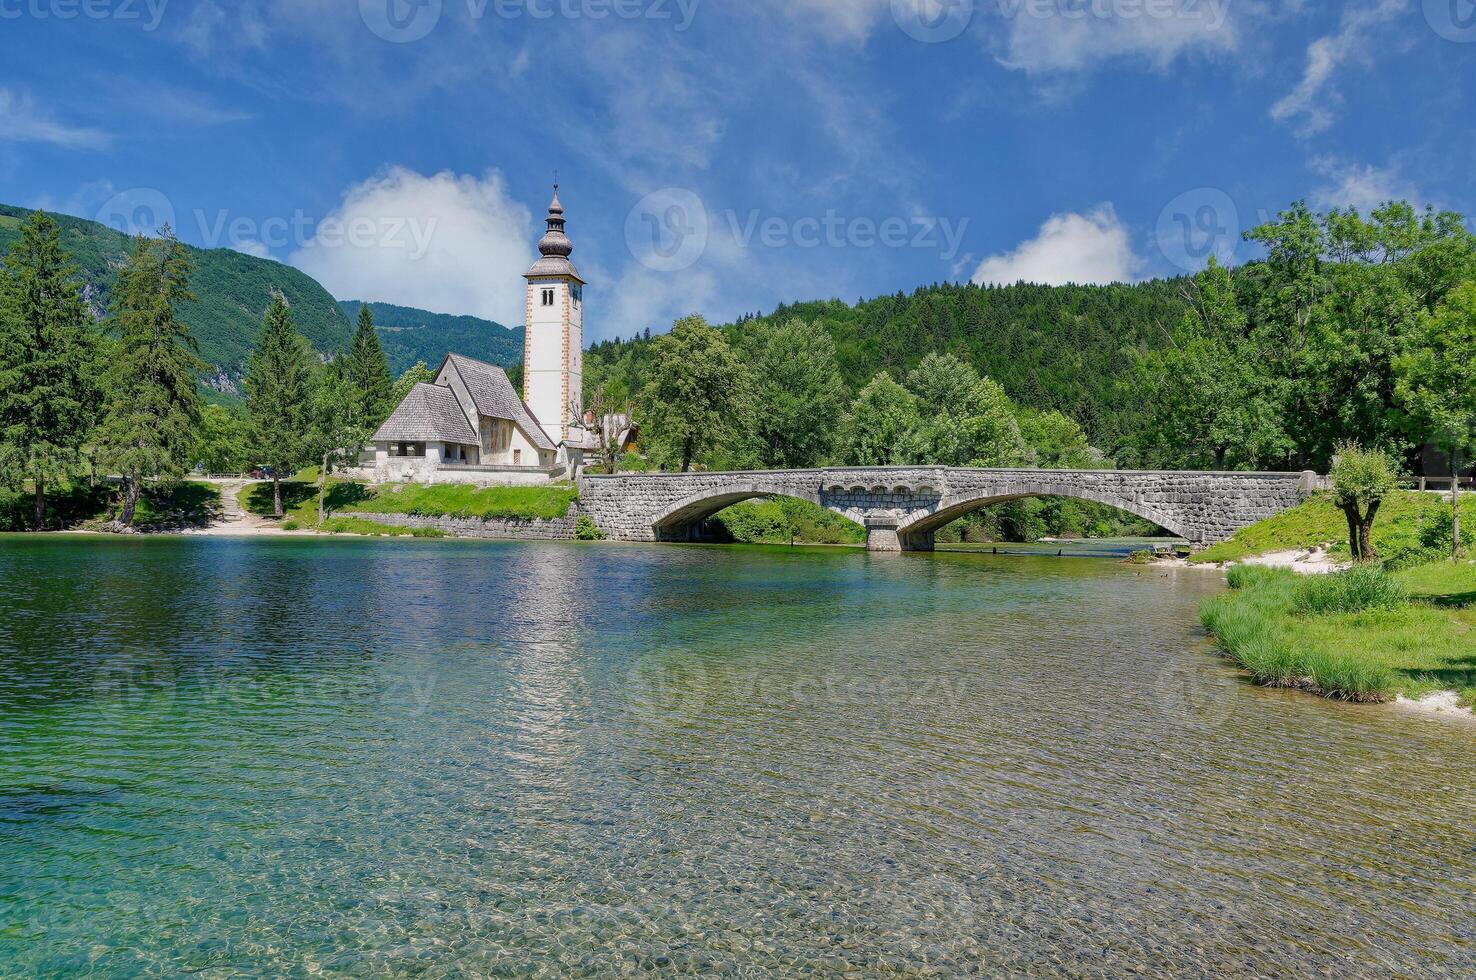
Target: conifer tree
(369,373)
(153,406)
(338,432)
(279,396)
(47,396)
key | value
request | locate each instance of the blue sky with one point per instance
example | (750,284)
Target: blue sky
(720,156)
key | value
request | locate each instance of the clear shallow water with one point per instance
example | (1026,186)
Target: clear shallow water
(433,758)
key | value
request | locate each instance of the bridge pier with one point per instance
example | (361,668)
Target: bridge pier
(882,535)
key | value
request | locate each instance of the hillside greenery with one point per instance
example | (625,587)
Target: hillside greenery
(232,291)
(411,335)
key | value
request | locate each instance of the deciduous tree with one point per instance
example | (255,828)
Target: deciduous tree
(1437,381)
(800,394)
(877,428)
(698,403)
(1361,479)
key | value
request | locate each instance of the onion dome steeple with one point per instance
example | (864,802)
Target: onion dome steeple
(555,246)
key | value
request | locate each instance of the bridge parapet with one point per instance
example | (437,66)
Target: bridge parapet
(902,507)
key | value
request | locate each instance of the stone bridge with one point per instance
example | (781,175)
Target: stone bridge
(902,507)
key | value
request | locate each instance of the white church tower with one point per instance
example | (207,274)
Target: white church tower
(553,343)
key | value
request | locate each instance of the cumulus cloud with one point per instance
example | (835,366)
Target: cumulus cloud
(449,243)
(1313,99)
(21,121)
(1071,248)
(1055,37)
(1361,186)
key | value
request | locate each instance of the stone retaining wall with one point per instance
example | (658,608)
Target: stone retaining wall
(559,529)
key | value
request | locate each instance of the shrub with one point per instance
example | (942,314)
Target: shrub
(1358,589)
(585,529)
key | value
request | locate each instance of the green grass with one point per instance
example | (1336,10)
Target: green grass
(162,507)
(300,501)
(451,500)
(771,522)
(1405,534)
(357,525)
(1364,635)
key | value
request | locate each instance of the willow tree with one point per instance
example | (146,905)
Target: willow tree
(153,406)
(47,395)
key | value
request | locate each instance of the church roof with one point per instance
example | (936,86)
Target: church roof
(555,248)
(430,413)
(495,397)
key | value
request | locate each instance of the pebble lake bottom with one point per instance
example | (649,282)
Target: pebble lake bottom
(376,757)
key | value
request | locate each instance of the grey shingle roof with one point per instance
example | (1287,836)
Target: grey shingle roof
(496,398)
(430,413)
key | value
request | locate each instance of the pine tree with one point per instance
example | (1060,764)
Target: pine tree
(369,373)
(47,396)
(153,406)
(279,395)
(338,432)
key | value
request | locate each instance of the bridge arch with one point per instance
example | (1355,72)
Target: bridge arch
(918,531)
(677,520)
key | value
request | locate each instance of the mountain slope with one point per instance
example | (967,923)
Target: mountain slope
(411,335)
(1068,348)
(231,290)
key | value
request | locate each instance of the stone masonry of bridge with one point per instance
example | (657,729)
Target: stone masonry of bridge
(902,507)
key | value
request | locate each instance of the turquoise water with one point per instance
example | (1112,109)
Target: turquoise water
(367,757)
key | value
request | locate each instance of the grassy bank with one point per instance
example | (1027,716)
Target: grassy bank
(300,501)
(1362,635)
(78,507)
(1411,529)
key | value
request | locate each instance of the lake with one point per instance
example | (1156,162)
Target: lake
(360,756)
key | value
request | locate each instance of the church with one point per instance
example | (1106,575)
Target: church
(471,426)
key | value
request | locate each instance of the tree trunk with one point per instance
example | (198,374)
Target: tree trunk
(130,500)
(277,492)
(1350,512)
(40,504)
(1365,533)
(687,456)
(322,488)
(1455,505)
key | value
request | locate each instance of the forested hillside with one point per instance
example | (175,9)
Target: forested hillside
(409,335)
(1071,349)
(232,291)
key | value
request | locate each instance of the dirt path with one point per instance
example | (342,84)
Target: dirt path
(234,520)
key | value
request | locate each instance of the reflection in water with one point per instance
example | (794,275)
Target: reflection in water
(375,757)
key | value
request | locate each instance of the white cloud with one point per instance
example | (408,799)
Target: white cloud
(1364,186)
(1053,37)
(448,243)
(22,122)
(1071,248)
(1312,100)
(250,247)
(845,20)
